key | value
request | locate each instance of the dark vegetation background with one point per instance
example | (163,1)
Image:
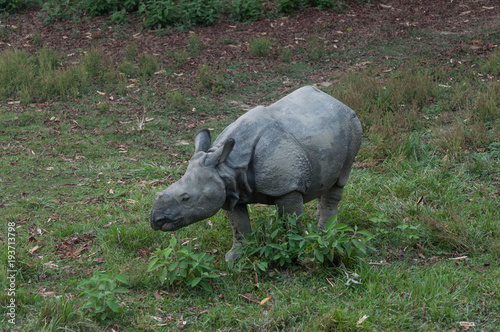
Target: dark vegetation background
(100,101)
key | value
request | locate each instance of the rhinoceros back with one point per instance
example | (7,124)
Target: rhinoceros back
(301,142)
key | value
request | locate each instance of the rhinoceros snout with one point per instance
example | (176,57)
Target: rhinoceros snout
(160,221)
(156,223)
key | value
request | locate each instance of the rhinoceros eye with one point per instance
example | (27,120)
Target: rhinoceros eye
(185,198)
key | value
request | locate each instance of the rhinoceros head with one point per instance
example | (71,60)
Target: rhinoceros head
(199,194)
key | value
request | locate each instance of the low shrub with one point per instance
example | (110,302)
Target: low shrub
(287,242)
(101,292)
(181,13)
(181,265)
(246,10)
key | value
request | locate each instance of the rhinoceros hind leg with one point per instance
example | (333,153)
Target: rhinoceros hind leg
(240,223)
(328,204)
(291,203)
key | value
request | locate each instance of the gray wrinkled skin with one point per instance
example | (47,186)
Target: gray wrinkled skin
(298,149)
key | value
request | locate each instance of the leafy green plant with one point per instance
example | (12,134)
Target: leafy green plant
(379,220)
(411,232)
(101,293)
(287,242)
(180,265)
(329,4)
(183,13)
(288,6)
(119,16)
(246,10)
(260,46)
(54,10)
(11,5)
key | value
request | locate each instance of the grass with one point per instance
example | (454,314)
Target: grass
(78,174)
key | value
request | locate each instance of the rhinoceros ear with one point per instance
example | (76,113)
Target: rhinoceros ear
(202,141)
(220,154)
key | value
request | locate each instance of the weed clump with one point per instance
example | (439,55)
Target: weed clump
(492,65)
(211,79)
(177,102)
(260,47)
(315,48)
(194,43)
(97,65)
(147,64)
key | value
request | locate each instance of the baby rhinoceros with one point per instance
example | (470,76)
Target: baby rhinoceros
(298,149)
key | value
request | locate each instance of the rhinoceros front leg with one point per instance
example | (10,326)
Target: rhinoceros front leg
(292,203)
(328,204)
(240,223)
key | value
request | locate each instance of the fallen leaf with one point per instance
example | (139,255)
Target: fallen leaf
(466,325)
(158,296)
(47,293)
(206,311)
(265,300)
(100,260)
(250,298)
(461,258)
(330,282)
(361,320)
(382,262)
(32,250)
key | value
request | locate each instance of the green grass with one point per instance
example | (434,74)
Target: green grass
(78,175)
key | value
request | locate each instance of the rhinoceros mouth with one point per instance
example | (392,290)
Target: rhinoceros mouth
(172,226)
(166,224)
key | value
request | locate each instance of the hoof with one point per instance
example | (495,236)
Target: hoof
(235,254)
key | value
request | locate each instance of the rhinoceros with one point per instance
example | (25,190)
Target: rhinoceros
(298,149)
